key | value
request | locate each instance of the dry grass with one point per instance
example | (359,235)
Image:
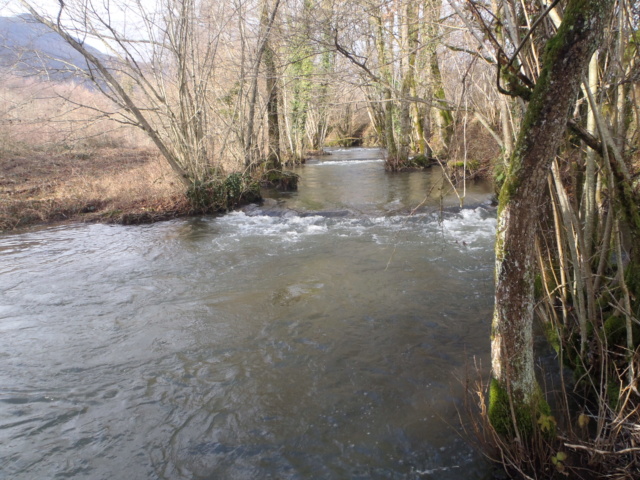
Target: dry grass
(43,116)
(587,443)
(61,162)
(113,185)
(63,158)
(476,145)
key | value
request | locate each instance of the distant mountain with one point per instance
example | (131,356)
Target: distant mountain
(30,48)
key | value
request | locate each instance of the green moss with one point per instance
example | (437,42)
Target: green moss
(510,185)
(632,279)
(499,245)
(579,371)
(512,178)
(615,330)
(499,410)
(604,300)
(538,286)
(218,194)
(343,142)
(627,203)
(473,165)
(552,336)
(613,393)
(552,284)
(280,179)
(422,161)
(515,86)
(499,175)
(529,418)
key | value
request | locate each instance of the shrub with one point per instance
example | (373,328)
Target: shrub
(220,194)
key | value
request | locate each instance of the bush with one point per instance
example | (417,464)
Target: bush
(221,194)
(422,161)
(283,180)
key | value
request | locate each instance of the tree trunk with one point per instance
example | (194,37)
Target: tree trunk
(408,51)
(515,396)
(390,141)
(444,119)
(273,124)
(266,23)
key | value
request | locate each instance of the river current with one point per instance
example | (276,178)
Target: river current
(322,335)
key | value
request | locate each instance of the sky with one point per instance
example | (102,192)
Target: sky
(52,7)
(12,7)
(5,9)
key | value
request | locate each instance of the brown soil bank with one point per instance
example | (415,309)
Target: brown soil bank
(109,185)
(114,185)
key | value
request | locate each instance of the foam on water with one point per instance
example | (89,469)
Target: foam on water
(471,228)
(241,224)
(349,150)
(331,163)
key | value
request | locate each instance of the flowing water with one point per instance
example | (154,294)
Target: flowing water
(323,334)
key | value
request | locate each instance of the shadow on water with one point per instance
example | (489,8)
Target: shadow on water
(320,335)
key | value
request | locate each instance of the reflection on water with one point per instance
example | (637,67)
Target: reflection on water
(318,336)
(354,179)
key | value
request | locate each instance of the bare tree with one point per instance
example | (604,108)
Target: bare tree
(161,74)
(516,400)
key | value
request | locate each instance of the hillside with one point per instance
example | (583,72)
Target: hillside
(30,48)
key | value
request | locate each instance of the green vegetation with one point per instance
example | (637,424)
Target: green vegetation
(223,194)
(511,418)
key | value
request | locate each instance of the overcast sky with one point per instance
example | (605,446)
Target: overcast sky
(13,7)
(51,8)
(6,10)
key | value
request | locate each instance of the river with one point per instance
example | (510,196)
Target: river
(322,335)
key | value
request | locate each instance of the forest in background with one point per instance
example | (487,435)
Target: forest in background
(544,95)
(261,85)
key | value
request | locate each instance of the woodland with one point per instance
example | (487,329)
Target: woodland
(542,96)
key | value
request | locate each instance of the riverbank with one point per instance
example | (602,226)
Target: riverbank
(123,185)
(107,185)
(321,335)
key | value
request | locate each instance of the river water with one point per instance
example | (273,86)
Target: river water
(324,334)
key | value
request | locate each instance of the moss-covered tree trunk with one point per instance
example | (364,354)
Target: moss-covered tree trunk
(444,119)
(389,134)
(300,73)
(430,38)
(327,70)
(515,393)
(409,47)
(273,124)
(438,119)
(267,20)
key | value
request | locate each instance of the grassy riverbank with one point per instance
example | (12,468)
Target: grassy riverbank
(110,185)
(119,185)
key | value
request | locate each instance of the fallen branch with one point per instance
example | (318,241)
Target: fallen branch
(602,452)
